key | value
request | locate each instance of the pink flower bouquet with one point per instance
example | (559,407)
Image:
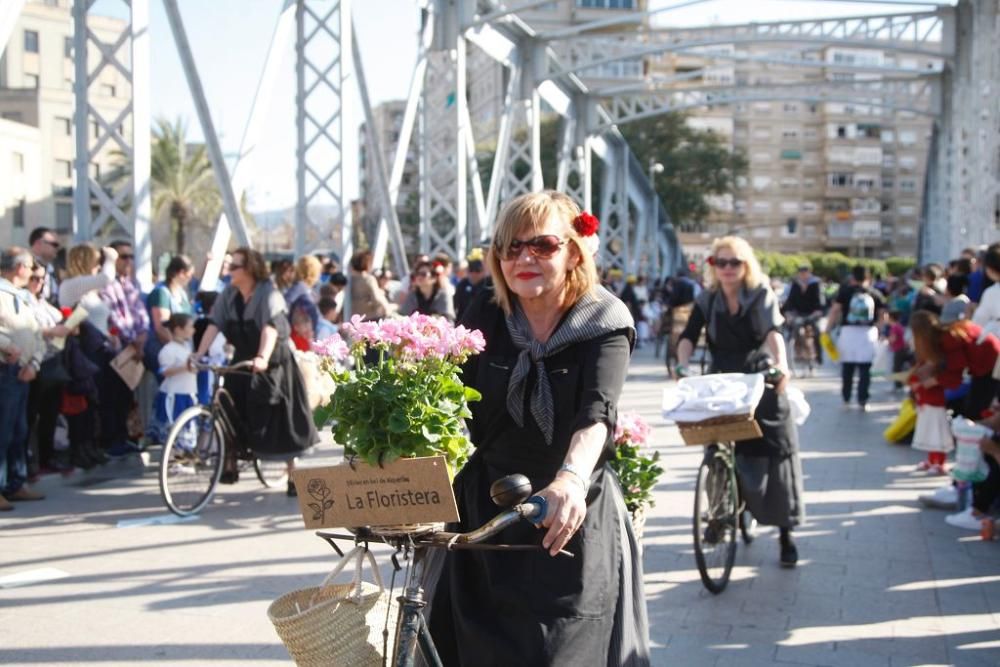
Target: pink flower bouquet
(637,473)
(404,397)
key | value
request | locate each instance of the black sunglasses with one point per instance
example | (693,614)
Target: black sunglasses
(233,267)
(542,247)
(54,244)
(735,262)
(126,256)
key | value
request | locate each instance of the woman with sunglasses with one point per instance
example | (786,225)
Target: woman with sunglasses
(743,321)
(556,357)
(271,403)
(428,295)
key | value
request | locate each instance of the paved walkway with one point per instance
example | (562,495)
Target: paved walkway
(881,581)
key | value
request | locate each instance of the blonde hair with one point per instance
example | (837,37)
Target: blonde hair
(754,276)
(530,212)
(308,269)
(81,260)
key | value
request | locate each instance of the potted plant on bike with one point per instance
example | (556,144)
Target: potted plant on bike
(410,401)
(636,471)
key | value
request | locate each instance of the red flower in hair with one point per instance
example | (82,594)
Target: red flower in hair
(586,224)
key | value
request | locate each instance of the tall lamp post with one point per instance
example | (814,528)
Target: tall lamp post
(654,169)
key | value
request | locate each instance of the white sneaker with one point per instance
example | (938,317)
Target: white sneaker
(945,497)
(965,520)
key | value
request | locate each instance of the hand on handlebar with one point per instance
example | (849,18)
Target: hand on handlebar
(259,364)
(567,507)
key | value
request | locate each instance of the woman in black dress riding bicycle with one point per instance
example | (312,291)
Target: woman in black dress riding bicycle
(742,320)
(274,419)
(557,353)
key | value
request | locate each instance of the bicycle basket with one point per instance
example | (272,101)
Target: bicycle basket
(337,624)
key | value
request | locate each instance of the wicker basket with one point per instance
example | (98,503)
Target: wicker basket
(729,428)
(333,625)
(639,523)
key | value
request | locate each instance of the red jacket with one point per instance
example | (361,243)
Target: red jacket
(926,395)
(961,354)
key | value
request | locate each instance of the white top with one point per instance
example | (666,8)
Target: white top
(172,355)
(987,314)
(85,291)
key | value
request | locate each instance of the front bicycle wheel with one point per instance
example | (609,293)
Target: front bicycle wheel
(192,461)
(715,518)
(272,474)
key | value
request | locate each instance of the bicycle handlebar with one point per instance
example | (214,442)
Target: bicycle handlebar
(533,509)
(239,366)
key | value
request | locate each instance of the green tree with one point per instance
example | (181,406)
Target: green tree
(696,163)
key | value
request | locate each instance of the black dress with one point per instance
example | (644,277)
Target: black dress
(528,608)
(769,468)
(273,409)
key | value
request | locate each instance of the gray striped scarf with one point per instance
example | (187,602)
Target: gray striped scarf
(596,314)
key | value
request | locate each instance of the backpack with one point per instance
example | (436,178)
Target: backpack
(861,309)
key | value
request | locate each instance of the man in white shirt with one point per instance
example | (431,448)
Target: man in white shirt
(22,348)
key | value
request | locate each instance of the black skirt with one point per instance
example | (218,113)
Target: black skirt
(528,608)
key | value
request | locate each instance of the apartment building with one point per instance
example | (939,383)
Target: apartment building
(36,96)
(830,176)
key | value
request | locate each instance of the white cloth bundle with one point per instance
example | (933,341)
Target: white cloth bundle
(695,399)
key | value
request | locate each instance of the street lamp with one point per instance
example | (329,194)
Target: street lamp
(654,169)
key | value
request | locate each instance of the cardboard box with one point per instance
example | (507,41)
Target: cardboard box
(404,491)
(725,429)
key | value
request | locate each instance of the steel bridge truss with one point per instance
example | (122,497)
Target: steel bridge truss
(550,68)
(100,208)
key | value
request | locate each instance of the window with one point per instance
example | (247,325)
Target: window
(787,183)
(907,137)
(810,207)
(95,128)
(95,171)
(809,182)
(789,207)
(791,227)
(907,209)
(888,184)
(908,185)
(841,180)
(64,217)
(19,214)
(107,90)
(64,169)
(31,41)
(762,133)
(18,163)
(841,131)
(63,126)
(908,162)
(790,107)
(761,157)
(31,81)
(68,47)
(761,206)
(889,161)
(605,4)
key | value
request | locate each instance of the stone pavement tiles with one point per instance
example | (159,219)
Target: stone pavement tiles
(881,581)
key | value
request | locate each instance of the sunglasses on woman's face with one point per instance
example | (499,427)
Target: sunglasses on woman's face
(423,274)
(723,262)
(542,247)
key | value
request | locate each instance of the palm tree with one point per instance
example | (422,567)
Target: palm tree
(183,185)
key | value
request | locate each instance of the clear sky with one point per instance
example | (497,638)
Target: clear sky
(230,40)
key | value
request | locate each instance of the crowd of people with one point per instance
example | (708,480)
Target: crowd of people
(69,408)
(932,332)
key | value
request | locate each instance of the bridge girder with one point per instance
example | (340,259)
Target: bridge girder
(919,95)
(922,34)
